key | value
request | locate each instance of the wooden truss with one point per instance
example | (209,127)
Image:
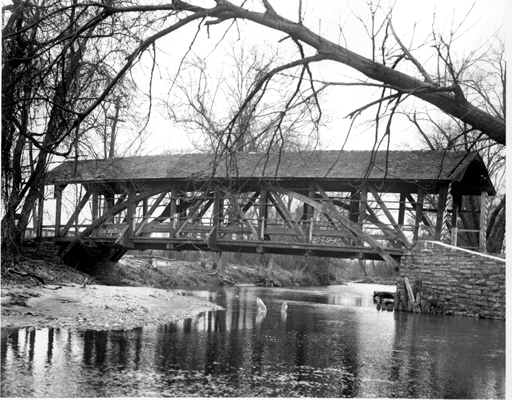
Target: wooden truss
(259,218)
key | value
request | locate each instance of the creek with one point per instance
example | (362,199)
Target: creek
(331,342)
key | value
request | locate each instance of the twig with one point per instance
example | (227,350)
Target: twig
(411,57)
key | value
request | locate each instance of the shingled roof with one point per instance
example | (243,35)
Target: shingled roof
(346,165)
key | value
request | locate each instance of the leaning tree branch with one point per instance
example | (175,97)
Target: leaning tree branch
(493,127)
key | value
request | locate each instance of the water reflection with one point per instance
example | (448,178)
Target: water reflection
(330,342)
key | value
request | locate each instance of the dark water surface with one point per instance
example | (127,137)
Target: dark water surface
(332,342)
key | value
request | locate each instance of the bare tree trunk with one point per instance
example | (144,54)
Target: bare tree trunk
(362,266)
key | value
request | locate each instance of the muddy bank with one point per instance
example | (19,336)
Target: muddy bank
(96,307)
(39,291)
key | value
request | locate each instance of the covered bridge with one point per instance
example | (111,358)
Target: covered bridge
(350,204)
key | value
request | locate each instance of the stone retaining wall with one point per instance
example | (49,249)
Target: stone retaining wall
(456,282)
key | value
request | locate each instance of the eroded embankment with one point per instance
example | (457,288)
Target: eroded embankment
(96,307)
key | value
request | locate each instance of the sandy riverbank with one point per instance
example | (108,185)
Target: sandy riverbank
(96,307)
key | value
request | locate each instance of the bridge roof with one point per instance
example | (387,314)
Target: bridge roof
(409,166)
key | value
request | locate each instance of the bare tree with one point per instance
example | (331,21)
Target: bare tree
(55,63)
(55,54)
(212,102)
(447,97)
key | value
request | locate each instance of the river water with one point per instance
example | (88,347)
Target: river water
(331,342)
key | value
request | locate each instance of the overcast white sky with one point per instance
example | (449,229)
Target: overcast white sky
(413,21)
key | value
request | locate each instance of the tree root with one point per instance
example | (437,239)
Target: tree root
(25,274)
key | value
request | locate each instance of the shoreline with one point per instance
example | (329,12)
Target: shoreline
(96,307)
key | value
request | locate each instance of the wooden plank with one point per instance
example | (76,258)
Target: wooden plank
(390,217)
(164,227)
(281,207)
(77,211)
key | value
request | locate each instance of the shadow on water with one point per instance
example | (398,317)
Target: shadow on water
(325,342)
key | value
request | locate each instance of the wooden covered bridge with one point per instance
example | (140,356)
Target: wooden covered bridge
(347,204)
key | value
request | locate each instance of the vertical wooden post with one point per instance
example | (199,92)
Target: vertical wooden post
(457,201)
(212,240)
(310,213)
(130,211)
(95,202)
(354,211)
(262,214)
(353,215)
(172,212)
(58,209)
(40,214)
(144,207)
(363,201)
(362,205)
(419,214)
(441,205)
(401,210)
(109,201)
(482,245)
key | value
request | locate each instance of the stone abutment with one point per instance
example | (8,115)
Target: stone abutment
(447,280)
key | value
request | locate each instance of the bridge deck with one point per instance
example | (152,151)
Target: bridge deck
(242,246)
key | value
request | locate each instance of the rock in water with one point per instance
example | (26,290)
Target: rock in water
(261,306)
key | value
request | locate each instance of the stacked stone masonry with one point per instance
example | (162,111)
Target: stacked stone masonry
(456,282)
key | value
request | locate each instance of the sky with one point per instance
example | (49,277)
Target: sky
(475,24)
